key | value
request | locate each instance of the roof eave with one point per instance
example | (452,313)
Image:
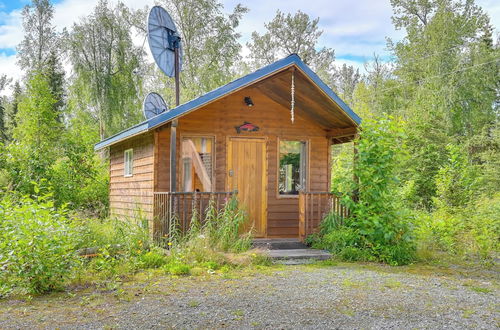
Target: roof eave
(128,133)
(227,89)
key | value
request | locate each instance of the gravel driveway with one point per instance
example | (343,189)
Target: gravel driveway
(344,296)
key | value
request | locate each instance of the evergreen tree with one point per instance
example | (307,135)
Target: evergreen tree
(35,145)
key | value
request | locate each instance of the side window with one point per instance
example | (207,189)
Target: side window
(198,163)
(128,162)
(292,167)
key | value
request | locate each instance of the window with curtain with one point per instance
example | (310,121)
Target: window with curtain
(292,167)
(197,163)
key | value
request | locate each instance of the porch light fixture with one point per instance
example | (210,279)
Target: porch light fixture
(248,101)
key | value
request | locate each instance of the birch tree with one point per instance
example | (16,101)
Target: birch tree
(289,34)
(210,41)
(41,40)
(104,59)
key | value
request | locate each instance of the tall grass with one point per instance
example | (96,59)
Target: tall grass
(41,245)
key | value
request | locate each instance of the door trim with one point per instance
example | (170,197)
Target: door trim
(263,140)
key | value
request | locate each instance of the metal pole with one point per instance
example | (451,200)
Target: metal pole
(173,125)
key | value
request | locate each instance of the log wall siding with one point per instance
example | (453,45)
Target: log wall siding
(220,118)
(132,197)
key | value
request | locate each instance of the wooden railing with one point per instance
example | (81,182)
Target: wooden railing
(176,209)
(313,207)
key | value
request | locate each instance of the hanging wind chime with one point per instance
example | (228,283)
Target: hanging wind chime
(292,103)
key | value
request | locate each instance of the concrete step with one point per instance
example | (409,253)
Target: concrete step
(297,256)
(278,244)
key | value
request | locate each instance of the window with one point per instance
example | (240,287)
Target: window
(292,167)
(197,163)
(128,162)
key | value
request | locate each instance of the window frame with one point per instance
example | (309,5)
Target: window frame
(307,164)
(214,157)
(128,163)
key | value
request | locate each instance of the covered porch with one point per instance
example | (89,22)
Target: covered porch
(177,210)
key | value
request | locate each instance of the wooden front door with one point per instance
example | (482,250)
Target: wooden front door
(247,173)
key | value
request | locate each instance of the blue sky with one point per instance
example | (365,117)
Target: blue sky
(356,29)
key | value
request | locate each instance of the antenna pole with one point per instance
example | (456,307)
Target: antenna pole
(173,125)
(177,74)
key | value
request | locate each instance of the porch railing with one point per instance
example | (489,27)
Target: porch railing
(177,208)
(313,207)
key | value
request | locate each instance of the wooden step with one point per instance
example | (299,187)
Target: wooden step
(278,244)
(297,256)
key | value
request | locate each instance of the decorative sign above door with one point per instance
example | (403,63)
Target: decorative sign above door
(246,127)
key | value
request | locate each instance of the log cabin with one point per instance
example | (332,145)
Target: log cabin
(266,136)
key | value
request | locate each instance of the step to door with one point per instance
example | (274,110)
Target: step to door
(297,256)
(278,244)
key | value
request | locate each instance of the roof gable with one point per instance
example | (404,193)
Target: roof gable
(252,78)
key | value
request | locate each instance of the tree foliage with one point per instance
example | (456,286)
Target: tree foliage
(41,41)
(104,59)
(292,34)
(210,41)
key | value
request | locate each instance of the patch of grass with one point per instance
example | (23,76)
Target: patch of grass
(323,263)
(238,312)
(392,284)
(468,313)
(481,289)
(194,303)
(348,283)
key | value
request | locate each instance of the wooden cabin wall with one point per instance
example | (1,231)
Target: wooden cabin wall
(220,118)
(132,197)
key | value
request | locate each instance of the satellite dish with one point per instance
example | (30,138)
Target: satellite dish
(153,105)
(163,39)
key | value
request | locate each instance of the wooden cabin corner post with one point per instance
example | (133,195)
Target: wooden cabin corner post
(302,216)
(355,196)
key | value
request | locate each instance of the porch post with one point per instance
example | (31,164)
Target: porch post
(355,161)
(173,155)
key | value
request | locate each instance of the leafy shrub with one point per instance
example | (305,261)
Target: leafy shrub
(471,231)
(37,245)
(456,181)
(379,225)
(176,267)
(128,236)
(155,258)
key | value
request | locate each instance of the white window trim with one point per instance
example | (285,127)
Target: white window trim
(128,166)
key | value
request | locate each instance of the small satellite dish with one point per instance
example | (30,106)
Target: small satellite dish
(153,105)
(163,39)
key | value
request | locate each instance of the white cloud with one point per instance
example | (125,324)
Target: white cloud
(10,29)
(8,66)
(355,29)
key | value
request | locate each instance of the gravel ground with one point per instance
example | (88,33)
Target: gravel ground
(337,297)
